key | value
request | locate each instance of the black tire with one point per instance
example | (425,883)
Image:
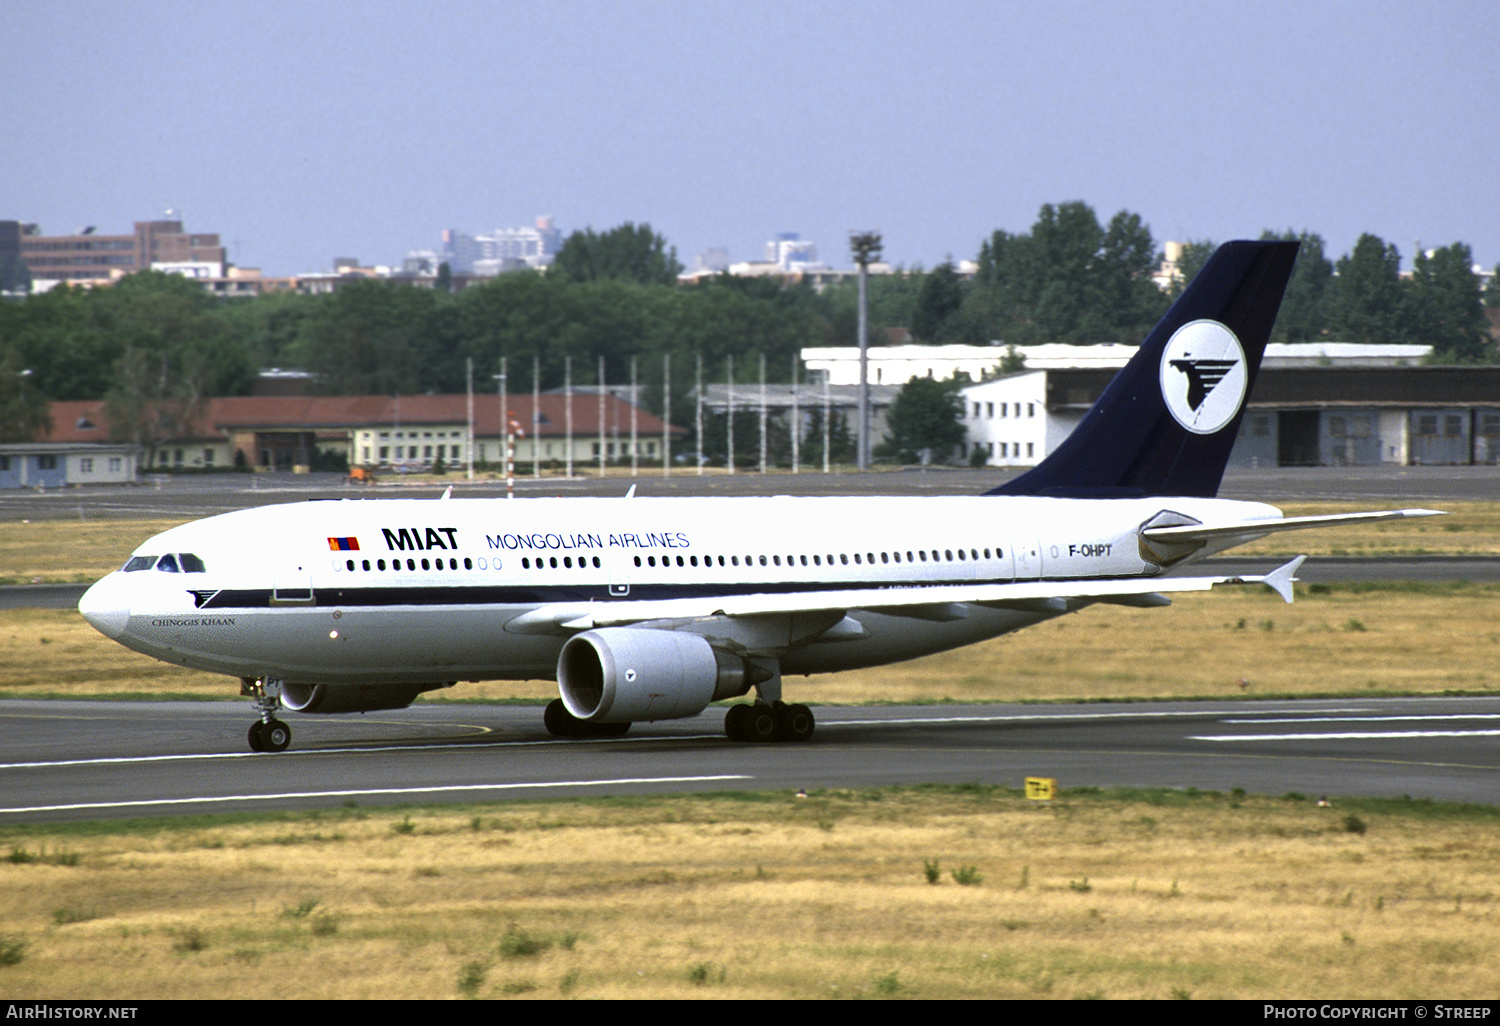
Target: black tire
(257,736)
(760,723)
(561,723)
(735,727)
(794,723)
(558,721)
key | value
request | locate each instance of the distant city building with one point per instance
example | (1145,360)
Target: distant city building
(788,254)
(88,257)
(714,260)
(791,252)
(504,249)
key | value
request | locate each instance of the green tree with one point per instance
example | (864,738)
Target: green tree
(1445,307)
(841,441)
(1069,280)
(371,338)
(1304,309)
(627,253)
(939,300)
(1127,302)
(1365,300)
(274,327)
(924,422)
(60,340)
(1190,260)
(23,409)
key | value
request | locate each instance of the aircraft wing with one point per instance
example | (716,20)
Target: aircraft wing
(939,602)
(1256,528)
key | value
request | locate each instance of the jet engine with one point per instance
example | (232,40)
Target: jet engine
(624,674)
(347,698)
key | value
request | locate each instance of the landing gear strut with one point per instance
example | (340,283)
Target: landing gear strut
(267,734)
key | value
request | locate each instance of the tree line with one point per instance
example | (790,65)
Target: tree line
(155,342)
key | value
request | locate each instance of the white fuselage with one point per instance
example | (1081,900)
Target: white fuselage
(444,591)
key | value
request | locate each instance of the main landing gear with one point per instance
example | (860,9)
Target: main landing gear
(775,722)
(768,718)
(267,734)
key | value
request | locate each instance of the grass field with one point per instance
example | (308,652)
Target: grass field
(924,893)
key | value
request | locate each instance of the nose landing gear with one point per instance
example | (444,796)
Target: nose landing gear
(267,734)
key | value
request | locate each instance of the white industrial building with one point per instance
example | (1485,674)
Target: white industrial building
(1315,404)
(896,365)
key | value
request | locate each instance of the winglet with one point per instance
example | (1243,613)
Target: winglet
(447,493)
(1280,580)
(630,494)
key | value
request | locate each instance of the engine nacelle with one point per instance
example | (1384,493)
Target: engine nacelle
(624,674)
(347,698)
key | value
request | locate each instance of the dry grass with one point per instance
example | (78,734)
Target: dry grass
(1151,895)
(1467,529)
(40,551)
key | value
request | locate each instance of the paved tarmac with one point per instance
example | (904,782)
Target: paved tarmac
(103,760)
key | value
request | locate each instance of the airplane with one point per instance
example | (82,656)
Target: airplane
(648,609)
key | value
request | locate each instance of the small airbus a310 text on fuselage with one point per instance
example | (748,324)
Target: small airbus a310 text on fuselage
(650,609)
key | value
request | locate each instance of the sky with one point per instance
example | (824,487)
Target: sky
(304,131)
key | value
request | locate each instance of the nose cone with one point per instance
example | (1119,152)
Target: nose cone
(105,608)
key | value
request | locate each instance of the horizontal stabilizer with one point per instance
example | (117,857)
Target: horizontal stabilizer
(1280,580)
(1257,528)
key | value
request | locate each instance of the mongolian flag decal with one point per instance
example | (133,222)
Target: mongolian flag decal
(344,544)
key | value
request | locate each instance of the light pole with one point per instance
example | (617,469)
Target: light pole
(866,249)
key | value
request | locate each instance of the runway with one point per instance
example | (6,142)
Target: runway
(110,760)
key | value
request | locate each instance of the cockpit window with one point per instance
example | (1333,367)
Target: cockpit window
(171,563)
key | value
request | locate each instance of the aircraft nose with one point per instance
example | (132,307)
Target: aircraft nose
(104,606)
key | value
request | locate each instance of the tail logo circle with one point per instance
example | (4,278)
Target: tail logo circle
(1203,376)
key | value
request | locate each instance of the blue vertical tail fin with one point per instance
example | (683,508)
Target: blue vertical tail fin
(1166,423)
